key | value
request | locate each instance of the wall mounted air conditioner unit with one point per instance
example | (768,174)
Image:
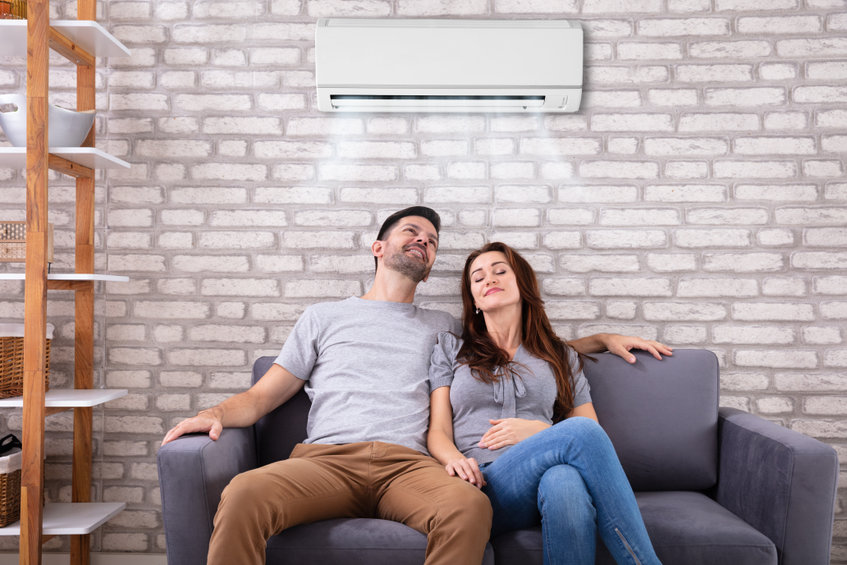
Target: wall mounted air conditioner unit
(427,65)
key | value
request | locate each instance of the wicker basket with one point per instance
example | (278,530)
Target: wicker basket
(12,359)
(13,241)
(12,9)
(10,488)
(19,9)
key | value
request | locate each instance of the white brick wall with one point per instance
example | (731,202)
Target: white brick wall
(697,197)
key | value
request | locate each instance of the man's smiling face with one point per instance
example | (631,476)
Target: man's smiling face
(410,247)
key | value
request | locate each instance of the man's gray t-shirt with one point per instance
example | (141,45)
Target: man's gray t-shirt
(366,365)
(530,396)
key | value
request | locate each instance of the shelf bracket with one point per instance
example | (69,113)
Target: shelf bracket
(69,167)
(70,50)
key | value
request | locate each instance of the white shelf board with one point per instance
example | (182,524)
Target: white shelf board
(89,35)
(67,518)
(91,157)
(70,398)
(67,277)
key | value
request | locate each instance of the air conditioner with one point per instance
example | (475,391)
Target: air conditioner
(428,65)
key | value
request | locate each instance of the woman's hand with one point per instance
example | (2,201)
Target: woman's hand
(509,431)
(466,469)
(439,440)
(621,345)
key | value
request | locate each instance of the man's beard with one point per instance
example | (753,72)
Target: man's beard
(408,266)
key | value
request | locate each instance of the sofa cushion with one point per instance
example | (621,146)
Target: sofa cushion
(348,541)
(686,528)
(352,541)
(662,416)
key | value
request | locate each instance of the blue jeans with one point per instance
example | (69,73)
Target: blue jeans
(570,476)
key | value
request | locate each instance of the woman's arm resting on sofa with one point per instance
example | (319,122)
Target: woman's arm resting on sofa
(620,345)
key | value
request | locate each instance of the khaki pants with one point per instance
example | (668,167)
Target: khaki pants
(358,480)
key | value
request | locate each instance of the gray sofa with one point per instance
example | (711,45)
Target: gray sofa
(715,486)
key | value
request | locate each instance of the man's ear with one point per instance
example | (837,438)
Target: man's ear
(377,248)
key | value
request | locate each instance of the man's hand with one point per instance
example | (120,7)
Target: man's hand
(622,345)
(509,431)
(205,421)
(466,469)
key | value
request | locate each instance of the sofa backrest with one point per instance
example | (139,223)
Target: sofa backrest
(278,432)
(662,417)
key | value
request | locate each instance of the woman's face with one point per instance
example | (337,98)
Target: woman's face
(493,283)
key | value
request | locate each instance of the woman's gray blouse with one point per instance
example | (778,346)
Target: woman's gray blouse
(531,395)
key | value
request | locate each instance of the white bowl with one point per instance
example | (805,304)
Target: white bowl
(66,128)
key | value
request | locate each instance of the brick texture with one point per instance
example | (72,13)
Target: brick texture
(697,197)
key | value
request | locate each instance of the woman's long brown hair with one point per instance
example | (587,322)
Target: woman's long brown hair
(484,357)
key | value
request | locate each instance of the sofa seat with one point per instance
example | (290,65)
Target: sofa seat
(685,527)
(689,527)
(352,541)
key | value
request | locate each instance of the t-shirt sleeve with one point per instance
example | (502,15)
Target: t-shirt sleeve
(443,361)
(456,329)
(581,389)
(300,351)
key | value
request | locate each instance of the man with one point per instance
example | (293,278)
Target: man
(364,362)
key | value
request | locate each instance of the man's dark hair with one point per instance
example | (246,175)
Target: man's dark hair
(394,218)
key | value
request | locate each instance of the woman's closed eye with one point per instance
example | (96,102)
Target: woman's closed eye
(479,280)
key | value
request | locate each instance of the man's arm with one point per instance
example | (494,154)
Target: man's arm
(243,409)
(620,345)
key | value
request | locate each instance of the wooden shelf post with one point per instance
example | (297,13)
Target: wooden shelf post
(35,294)
(84,304)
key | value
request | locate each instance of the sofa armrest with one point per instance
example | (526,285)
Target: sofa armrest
(781,482)
(193,471)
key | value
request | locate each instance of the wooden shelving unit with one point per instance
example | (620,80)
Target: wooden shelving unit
(80,41)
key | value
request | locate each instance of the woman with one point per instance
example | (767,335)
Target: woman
(496,394)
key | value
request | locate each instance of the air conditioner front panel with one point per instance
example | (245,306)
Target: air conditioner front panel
(428,57)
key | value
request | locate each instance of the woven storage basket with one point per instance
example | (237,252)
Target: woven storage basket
(13,241)
(10,488)
(19,8)
(12,359)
